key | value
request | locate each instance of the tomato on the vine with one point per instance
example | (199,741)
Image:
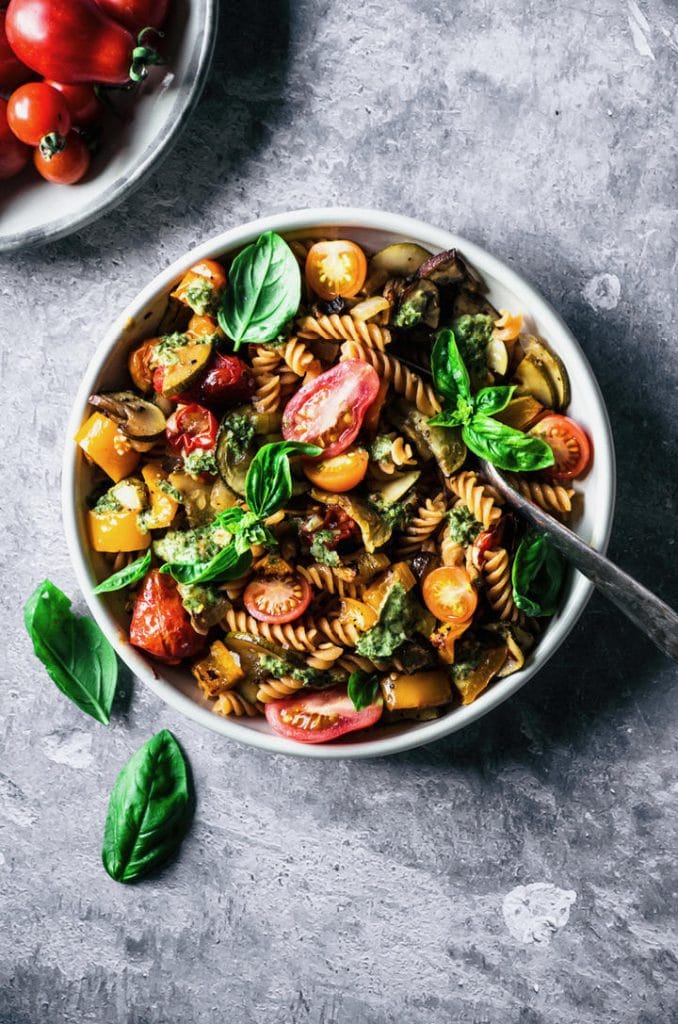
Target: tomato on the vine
(336,268)
(277,599)
(64,166)
(14,155)
(320,716)
(160,624)
(329,410)
(192,427)
(36,110)
(568,442)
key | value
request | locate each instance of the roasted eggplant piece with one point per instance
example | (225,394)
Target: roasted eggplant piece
(419,304)
(444,444)
(449,268)
(137,419)
(375,532)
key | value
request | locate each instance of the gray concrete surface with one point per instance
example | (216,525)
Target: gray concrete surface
(369,893)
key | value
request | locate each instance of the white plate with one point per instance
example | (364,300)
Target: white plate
(34,211)
(373,230)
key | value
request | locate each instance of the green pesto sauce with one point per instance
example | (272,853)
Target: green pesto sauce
(472,333)
(320,550)
(277,668)
(200,461)
(464,527)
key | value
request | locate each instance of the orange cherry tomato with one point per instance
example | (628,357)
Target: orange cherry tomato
(200,287)
(340,473)
(336,268)
(280,599)
(449,594)
(569,444)
(67,165)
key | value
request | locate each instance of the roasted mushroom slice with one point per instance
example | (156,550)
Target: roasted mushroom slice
(419,304)
(446,268)
(138,419)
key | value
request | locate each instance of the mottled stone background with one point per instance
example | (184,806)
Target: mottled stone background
(376,892)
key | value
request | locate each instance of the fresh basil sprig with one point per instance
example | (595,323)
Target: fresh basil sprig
(149,810)
(484,436)
(264,291)
(268,487)
(132,573)
(363,688)
(537,575)
(76,654)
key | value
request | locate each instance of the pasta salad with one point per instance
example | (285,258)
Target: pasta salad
(289,492)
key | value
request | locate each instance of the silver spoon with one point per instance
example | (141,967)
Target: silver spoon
(651,615)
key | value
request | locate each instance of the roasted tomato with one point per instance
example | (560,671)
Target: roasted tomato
(336,526)
(36,110)
(83,102)
(569,444)
(329,410)
(321,716)
(14,155)
(282,599)
(12,71)
(336,268)
(140,365)
(449,594)
(227,381)
(191,427)
(204,326)
(64,166)
(201,287)
(340,473)
(160,624)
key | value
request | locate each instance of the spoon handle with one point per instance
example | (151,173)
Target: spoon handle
(644,608)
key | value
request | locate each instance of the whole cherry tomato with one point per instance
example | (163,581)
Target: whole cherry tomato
(75,41)
(160,624)
(65,166)
(191,427)
(14,155)
(12,71)
(35,110)
(136,14)
(227,381)
(83,103)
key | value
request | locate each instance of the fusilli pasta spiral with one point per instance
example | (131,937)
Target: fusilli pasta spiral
(423,523)
(403,380)
(232,703)
(497,573)
(550,497)
(299,635)
(478,498)
(345,328)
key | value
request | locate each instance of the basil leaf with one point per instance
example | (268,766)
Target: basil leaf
(264,291)
(504,447)
(489,400)
(537,575)
(76,654)
(126,577)
(450,376)
(362,689)
(269,481)
(149,810)
(230,563)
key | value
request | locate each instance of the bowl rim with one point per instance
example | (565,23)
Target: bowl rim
(427,235)
(156,150)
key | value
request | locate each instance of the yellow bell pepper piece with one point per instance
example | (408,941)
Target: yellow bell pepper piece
(163,507)
(116,531)
(419,690)
(104,444)
(399,572)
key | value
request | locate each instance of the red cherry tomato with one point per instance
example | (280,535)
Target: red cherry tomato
(12,71)
(321,716)
(277,599)
(136,14)
(83,103)
(569,444)
(227,381)
(74,41)
(161,625)
(191,427)
(35,110)
(14,155)
(67,165)
(329,410)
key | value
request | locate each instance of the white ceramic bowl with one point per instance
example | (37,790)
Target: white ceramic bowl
(34,211)
(373,230)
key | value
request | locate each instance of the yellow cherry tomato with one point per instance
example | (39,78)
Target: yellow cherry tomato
(340,473)
(336,268)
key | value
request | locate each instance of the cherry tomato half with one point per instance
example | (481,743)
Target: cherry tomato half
(83,103)
(321,716)
(14,155)
(200,286)
(67,165)
(277,599)
(449,594)
(373,413)
(329,410)
(160,623)
(569,444)
(12,71)
(336,268)
(35,110)
(340,473)
(191,427)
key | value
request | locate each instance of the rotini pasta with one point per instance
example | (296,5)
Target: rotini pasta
(550,497)
(403,380)
(479,498)
(337,581)
(345,328)
(423,523)
(497,572)
(232,703)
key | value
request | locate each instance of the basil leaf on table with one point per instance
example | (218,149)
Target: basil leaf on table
(363,688)
(264,291)
(490,400)
(132,573)
(76,654)
(269,480)
(537,575)
(149,810)
(450,376)
(504,447)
